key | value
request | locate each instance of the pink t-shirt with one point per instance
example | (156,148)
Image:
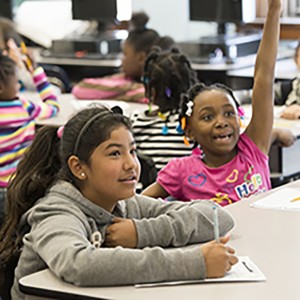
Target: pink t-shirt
(246,174)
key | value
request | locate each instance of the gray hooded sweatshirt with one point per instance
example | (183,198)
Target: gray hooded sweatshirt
(62,238)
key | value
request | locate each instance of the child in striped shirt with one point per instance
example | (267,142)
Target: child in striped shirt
(18,117)
(167,74)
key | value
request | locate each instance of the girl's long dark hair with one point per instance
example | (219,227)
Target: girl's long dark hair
(46,161)
(35,172)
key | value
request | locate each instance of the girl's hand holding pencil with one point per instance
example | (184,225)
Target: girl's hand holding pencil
(218,257)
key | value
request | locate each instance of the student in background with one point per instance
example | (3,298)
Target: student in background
(167,74)
(9,41)
(288,93)
(71,205)
(126,86)
(11,44)
(229,166)
(18,117)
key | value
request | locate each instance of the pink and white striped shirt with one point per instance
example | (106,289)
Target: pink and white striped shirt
(17,124)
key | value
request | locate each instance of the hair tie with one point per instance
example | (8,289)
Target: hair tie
(60,131)
(241,111)
(179,129)
(117,110)
(168,92)
(186,142)
(145,79)
(162,116)
(183,123)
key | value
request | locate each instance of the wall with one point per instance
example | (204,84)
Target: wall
(171,17)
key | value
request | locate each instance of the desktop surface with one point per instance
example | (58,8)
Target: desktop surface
(81,55)
(269,237)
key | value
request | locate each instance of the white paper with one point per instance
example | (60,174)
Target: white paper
(285,199)
(244,270)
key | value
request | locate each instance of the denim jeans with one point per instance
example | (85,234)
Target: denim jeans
(2,200)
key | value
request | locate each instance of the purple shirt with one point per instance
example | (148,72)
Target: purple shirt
(246,174)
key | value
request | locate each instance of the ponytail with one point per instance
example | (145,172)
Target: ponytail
(35,173)
(46,161)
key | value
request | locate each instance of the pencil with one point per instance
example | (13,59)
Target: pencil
(295,199)
(24,51)
(23,48)
(216,224)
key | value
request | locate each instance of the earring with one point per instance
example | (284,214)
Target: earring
(82,174)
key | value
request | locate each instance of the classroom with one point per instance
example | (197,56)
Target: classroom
(149,149)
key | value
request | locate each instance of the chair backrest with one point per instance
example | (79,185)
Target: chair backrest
(7,275)
(148,170)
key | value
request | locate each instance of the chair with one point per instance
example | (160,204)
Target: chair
(7,275)
(148,171)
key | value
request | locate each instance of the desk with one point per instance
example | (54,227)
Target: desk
(217,72)
(69,105)
(270,238)
(230,73)
(242,78)
(79,68)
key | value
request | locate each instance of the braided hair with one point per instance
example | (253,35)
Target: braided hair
(167,74)
(189,97)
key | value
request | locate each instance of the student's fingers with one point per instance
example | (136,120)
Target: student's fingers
(233,260)
(230,250)
(117,220)
(225,239)
(291,112)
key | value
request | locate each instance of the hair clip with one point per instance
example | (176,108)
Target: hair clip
(165,130)
(150,107)
(168,92)
(241,111)
(59,131)
(189,110)
(183,123)
(162,116)
(145,79)
(186,142)
(179,129)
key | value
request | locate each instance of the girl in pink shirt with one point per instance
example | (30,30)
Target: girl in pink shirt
(230,166)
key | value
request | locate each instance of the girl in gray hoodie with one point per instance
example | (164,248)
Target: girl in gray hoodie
(72,208)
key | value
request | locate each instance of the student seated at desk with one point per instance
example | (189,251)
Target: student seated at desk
(229,166)
(11,44)
(126,86)
(167,74)
(68,212)
(18,117)
(288,93)
(285,93)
